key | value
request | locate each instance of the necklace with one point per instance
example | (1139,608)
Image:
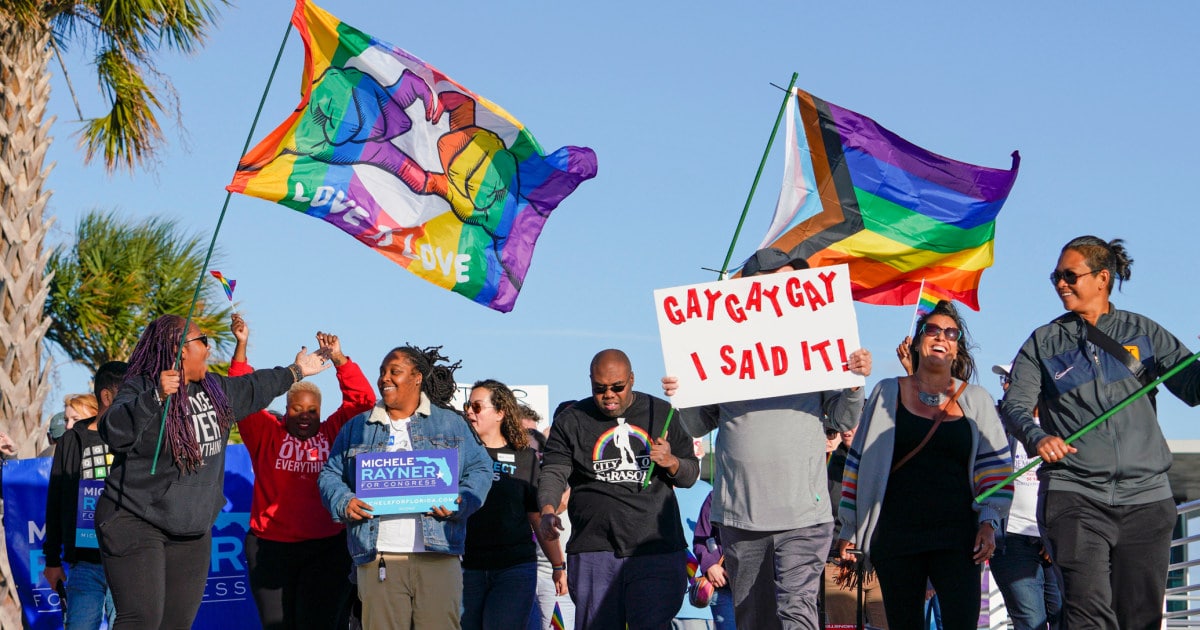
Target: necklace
(931,400)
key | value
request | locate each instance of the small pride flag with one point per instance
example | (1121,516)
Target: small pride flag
(693,565)
(556,621)
(226,283)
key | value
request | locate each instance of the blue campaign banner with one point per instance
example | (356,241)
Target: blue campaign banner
(85,515)
(227,600)
(690,500)
(407,482)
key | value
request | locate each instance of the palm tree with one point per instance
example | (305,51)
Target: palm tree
(117,277)
(125,37)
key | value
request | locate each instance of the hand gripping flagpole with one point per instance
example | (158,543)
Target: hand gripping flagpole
(162,427)
(1093,424)
(650,468)
(761,165)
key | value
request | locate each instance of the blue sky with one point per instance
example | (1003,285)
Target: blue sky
(676,100)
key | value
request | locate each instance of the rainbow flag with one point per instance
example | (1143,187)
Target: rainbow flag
(856,193)
(929,297)
(693,565)
(410,163)
(556,620)
(226,283)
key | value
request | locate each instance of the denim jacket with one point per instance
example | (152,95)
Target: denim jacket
(431,428)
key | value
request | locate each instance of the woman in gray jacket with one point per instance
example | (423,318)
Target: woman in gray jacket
(926,446)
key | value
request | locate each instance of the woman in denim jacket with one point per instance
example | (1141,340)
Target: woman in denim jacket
(408,569)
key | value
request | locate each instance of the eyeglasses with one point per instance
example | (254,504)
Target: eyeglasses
(1068,276)
(1005,380)
(598,389)
(201,338)
(831,433)
(475,406)
(932,330)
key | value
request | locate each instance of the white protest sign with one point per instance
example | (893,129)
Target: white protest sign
(768,335)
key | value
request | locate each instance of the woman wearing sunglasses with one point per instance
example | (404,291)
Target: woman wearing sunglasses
(500,563)
(926,446)
(1107,509)
(164,489)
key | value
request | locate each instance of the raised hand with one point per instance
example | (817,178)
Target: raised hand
(329,343)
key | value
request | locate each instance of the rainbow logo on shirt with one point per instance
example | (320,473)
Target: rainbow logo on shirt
(626,461)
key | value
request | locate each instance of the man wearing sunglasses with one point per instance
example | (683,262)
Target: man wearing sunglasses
(626,559)
(770,495)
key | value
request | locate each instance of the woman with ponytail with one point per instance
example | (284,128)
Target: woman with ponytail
(1107,510)
(165,486)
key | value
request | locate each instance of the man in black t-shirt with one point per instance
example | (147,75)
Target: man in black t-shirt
(626,559)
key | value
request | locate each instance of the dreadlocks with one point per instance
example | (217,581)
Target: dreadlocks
(437,381)
(155,353)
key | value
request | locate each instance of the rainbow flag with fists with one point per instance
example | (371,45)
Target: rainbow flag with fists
(897,214)
(410,163)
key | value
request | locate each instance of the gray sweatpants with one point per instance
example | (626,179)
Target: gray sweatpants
(776,575)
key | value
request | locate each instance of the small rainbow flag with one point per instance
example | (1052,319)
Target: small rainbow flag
(226,283)
(693,565)
(556,621)
(856,193)
(929,297)
(390,150)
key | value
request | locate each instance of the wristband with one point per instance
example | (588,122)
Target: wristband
(559,567)
(296,373)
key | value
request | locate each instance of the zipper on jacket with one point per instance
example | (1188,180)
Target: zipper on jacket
(1116,440)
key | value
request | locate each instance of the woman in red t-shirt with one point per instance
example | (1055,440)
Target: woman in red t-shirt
(297,555)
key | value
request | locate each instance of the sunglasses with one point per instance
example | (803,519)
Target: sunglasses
(1068,276)
(475,406)
(830,434)
(598,389)
(932,330)
(201,338)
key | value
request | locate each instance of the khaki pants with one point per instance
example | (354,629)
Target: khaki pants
(841,606)
(422,590)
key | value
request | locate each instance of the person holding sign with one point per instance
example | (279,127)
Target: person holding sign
(410,447)
(77,476)
(926,446)
(769,495)
(626,562)
(168,428)
(500,564)
(296,555)
(1107,510)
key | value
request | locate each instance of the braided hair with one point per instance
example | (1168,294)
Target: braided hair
(155,353)
(437,379)
(503,400)
(1100,254)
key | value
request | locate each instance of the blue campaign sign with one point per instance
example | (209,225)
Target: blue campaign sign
(227,600)
(407,482)
(85,516)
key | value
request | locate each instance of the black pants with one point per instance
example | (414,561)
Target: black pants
(157,579)
(1113,559)
(300,585)
(954,576)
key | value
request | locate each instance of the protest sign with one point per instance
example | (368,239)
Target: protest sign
(758,337)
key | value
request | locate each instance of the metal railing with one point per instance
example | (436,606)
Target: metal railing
(1182,606)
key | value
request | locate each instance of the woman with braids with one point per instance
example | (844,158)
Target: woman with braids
(500,564)
(1107,510)
(163,492)
(927,444)
(407,565)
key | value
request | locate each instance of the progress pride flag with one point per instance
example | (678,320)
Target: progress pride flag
(758,337)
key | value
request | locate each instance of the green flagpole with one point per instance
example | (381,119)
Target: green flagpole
(762,164)
(650,469)
(162,427)
(1093,424)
